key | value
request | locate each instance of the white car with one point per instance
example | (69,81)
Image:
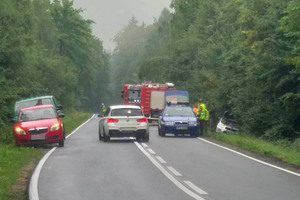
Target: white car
(124,121)
(227,124)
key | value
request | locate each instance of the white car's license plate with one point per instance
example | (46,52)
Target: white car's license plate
(181,128)
(38,137)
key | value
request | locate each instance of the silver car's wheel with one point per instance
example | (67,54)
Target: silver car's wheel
(100,136)
(146,138)
(105,138)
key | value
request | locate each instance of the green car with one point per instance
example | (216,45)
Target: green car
(42,100)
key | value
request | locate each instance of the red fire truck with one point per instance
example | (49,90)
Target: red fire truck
(149,96)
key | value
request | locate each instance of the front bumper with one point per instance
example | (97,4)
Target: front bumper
(180,129)
(32,139)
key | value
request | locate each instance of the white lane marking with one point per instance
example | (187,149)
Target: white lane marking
(79,127)
(151,151)
(145,145)
(174,171)
(168,175)
(251,158)
(33,185)
(161,160)
(196,188)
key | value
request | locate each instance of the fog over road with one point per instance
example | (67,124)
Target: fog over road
(111,16)
(169,168)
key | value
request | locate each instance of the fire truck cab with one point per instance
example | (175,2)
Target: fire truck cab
(149,96)
(131,94)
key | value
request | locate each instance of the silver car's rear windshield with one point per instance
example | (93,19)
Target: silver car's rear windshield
(126,112)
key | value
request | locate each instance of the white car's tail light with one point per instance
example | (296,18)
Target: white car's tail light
(112,120)
(142,120)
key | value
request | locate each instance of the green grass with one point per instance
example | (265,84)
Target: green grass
(260,146)
(13,159)
(74,119)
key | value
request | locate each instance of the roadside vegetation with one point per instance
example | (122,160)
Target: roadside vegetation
(17,163)
(284,150)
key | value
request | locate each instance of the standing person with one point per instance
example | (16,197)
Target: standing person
(203,115)
(103,109)
(195,108)
(212,117)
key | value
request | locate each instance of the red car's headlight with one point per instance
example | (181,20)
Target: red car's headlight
(55,127)
(19,131)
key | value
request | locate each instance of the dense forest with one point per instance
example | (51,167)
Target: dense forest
(47,48)
(242,55)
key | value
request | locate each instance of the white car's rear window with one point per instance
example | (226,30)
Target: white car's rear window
(126,112)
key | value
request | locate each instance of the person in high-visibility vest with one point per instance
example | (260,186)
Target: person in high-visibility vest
(203,115)
(103,109)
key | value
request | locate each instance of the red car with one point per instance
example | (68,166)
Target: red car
(39,125)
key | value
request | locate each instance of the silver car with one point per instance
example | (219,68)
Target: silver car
(124,121)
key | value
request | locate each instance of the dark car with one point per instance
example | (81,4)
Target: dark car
(178,119)
(42,100)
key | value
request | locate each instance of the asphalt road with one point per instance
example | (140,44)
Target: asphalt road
(166,168)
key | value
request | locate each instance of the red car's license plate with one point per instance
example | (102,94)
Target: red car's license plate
(38,137)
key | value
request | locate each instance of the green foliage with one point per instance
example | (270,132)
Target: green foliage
(47,48)
(242,55)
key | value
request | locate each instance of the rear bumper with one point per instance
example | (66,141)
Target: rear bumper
(128,133)
(140,130)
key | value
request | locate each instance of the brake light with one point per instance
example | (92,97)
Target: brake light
(142,120)
(112,120)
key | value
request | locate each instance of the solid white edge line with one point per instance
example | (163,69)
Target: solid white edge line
(33,185)
(168,175)
(161,160)
(251,158)
(174,171)
(196,188)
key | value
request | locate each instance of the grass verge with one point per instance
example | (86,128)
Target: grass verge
(260,146)
(17,163)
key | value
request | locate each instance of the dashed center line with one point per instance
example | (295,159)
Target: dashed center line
(169,176)
(145,145)
(161,160)
(151,151)
(194,187)
(174,171)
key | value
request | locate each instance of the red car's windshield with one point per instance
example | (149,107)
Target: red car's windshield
(36,114)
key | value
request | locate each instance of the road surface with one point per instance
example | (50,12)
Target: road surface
(166,168)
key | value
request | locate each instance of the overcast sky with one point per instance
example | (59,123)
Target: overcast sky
(110,16)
